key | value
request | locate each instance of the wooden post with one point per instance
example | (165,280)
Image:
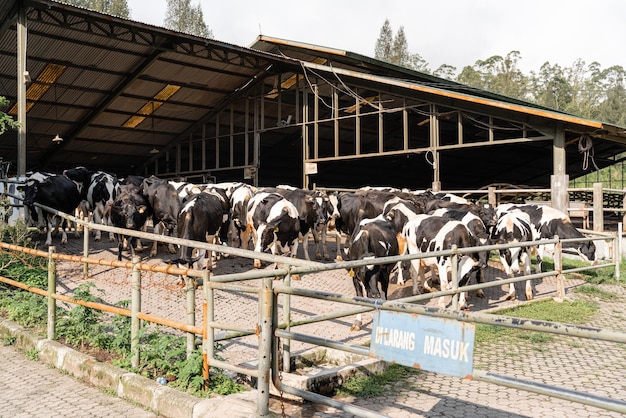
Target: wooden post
(558,267)
(492,198)
(598,207)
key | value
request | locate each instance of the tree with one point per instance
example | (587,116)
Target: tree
(395,49)
(6,121)
(113,7)
(497,74)
(183,17)
(384,43)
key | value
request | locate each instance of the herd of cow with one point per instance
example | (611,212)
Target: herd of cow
(376,222)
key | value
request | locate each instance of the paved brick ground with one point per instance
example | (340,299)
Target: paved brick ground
(29,389)
(582,364)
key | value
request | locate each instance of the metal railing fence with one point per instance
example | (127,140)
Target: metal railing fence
(270,329)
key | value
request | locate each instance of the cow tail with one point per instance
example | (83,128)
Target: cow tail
(402,247)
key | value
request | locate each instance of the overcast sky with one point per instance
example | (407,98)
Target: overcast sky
(454,32)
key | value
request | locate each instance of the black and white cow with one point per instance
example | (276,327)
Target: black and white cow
(200,219)
(546,223)
(328,202)
(427,233)
(310,212)
(239,199)
(273,223)
(98,189)
(373,238)
(352,208)
(485,211)
(477,228)
(514,227)
(165,205)
(37,219)
(57,192)
(130,210)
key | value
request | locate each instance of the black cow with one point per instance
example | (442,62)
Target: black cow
(165,205)
(546,223)
(98,190)
(372,239)
(57,192)
(130,210)
(200,219)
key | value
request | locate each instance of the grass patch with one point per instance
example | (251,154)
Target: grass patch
(595,276)
(571,312)
(595,291)
(375,384)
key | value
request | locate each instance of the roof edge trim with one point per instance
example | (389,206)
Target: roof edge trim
(459,96)
(302,45)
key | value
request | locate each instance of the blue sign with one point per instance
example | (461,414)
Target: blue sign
(424,342)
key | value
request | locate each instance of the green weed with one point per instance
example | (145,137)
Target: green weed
(375,384)
(571,312)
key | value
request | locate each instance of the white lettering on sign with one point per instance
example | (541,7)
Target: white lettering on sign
(446,348)
(392,337)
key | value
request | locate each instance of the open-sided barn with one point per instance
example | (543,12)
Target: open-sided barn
(138,99)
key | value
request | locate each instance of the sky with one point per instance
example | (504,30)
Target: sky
(453,32)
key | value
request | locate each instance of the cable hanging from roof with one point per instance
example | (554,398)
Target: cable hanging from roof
(585,147)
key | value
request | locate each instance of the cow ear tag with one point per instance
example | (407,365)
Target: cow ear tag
(276,229)
(351,273)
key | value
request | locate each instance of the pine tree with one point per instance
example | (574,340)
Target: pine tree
(183,17)
(395,49)
(384,43)
(112,7)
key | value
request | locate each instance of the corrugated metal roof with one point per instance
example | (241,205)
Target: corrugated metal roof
(114,69)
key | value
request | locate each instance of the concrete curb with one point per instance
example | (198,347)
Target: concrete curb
(163,400)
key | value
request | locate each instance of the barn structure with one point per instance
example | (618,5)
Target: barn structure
(112,94)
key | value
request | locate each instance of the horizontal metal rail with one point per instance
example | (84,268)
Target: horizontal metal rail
(550,390)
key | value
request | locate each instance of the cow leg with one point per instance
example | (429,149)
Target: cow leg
(443,279)
(358,287)
(155,243)
(305,244)
(511,294)
(97,219)
(338,241)
(316,232)
(525,260)
(49,233)
(111,234)
(421,278)
(463,301)
(324,243)
(540,250)
(171,247)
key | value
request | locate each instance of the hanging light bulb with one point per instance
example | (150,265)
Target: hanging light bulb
(57,139)
(154,149)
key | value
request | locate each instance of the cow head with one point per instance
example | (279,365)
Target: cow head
(30,196)
(587,251)
(280,232)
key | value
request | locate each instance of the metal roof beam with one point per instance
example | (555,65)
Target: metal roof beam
(80,125)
